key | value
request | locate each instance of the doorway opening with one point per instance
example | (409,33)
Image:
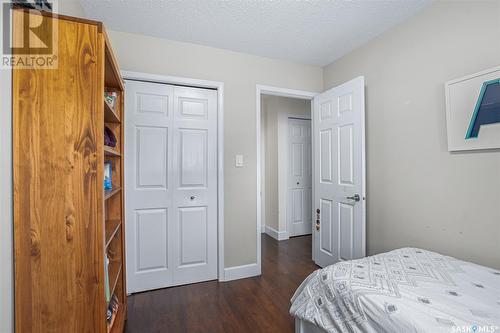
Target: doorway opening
(284,130)
(286,172)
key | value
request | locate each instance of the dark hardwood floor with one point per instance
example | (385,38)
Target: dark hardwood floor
(258,304)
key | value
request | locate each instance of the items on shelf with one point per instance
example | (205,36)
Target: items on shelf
(112,311)
(108,176)
(110,97)
(106,279)
(109,137)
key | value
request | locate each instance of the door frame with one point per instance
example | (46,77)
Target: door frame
(198,83)
(283,145)
(282,92)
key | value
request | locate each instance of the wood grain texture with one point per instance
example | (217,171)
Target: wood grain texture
(258,304)
(58,236)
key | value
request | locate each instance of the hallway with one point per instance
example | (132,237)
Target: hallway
(258,304)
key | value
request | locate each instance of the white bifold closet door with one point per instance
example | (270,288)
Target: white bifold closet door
(170,184)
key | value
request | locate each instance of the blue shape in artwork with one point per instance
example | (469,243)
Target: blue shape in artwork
(487,110)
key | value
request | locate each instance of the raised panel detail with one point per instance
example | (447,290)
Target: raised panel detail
(151,227)
(193,108)
(345,147)
(297,158)
(192,236)
(306,131)
(296,131)
(152,103)
(325,111)
(346,232)
(345,103)
(325,164)
(193,158)
(297,201)
(151,159)
(326,226)
(307,160)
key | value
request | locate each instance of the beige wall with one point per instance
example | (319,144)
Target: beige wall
(275,111)
(240,74)
(419,194)
(71,8)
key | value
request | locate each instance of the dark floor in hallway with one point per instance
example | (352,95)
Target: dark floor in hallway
(258,304)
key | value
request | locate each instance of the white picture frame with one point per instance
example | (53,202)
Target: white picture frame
(461,98)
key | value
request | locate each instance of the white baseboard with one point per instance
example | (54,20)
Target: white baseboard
(241,272)
(278,235)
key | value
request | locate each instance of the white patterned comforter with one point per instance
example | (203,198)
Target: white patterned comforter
(405,290)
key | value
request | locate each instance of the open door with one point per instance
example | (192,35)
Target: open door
(339,173)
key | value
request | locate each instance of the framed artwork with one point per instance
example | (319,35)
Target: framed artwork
(473,111)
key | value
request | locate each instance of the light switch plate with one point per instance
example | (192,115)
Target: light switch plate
(238,161)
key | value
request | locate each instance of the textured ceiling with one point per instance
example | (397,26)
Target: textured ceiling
(314,32)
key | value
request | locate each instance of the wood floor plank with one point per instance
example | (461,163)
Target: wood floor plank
(258,304)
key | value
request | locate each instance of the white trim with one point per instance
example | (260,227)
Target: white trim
(278,235)
(241,272)
(6,220)
(284,92)
(274,91)
(220,143)
(363,162)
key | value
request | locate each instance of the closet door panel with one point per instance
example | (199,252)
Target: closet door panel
(149,185)
(195,173)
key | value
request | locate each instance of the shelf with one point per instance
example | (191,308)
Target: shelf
(109,193)
(109,151)
(116,278)
(110,115)
(112,227)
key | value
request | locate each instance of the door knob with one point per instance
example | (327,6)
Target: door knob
(354,197)
(192,197)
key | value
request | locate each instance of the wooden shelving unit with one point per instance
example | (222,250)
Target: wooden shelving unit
(114,245)
(66,226)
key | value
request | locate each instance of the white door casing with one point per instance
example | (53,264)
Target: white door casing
(299,177)
(339,175)
(171,185)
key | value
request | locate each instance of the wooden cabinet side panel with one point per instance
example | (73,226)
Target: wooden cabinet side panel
(57,233)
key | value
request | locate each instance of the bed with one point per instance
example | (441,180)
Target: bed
(405,290)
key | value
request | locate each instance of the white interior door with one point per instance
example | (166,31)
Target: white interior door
(299,199)
(170,185)
(339,175)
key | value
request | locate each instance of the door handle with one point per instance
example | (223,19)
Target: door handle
(354,197)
